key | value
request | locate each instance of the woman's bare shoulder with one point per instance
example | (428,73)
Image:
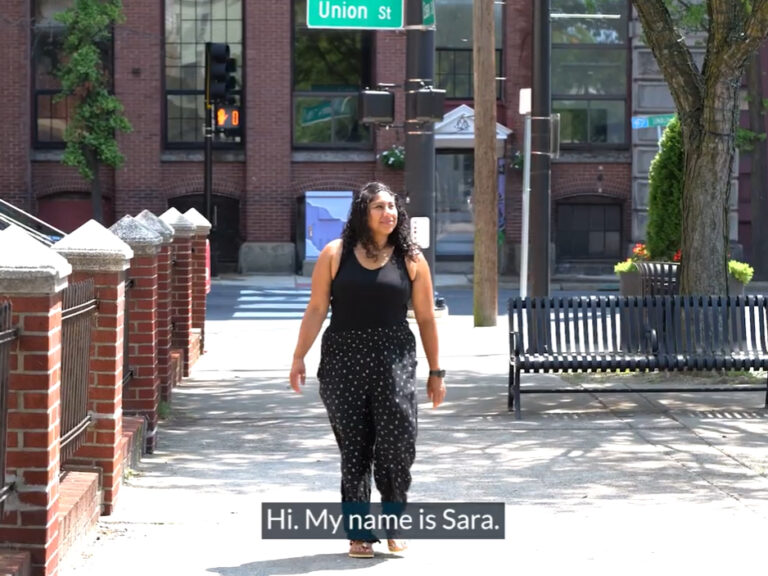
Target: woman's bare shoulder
(332,248)
(413,262)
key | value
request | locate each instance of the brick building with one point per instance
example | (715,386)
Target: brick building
(298,97)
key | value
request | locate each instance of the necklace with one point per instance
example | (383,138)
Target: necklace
(377,254)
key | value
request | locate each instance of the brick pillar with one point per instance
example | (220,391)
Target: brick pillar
(181,283)
(96,253)
(163,318)
(32,278)
(199,271)
(141,394)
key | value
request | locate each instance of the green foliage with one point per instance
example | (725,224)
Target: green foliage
(746,139)
(741,271)
(689,16)
(665,219)
(98,115)
(627,265)
(393,157)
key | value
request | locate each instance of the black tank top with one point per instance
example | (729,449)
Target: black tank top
(363,298)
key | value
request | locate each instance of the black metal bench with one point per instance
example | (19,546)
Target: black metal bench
(610,333)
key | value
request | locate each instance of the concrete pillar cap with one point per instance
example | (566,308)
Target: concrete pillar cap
(142,240)
(148,219)
(29,267)
(94,248)
(182,226)
(202,225)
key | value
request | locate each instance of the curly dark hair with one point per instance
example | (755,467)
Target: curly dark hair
(356,229)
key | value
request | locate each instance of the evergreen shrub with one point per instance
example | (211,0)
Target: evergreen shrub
(665,215)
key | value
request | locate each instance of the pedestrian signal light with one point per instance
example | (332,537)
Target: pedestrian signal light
(228,118)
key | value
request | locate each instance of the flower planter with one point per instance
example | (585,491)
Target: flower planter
(735,288)
(630,284)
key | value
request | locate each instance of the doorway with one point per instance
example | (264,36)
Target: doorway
(454,218)
(225,233)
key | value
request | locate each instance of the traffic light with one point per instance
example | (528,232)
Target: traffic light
(220,82)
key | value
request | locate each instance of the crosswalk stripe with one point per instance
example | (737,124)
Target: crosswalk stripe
(271,303)
(274,306)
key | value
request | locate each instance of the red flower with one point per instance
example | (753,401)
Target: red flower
(678,256)
(639,252)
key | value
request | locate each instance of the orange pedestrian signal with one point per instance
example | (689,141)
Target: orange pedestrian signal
(228,118)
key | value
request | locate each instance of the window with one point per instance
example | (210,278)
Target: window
(453,48)
(590,51)
(189,24)
(330,67)
(588,231)
(51,117)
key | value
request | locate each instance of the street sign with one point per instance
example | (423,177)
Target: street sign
(364,14)
(660,120)
(428,12)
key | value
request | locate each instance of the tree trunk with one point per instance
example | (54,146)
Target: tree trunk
(96,204)
(758,199)
(709,149)
(485,193)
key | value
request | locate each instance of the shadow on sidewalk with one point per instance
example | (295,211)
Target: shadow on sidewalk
(303,565)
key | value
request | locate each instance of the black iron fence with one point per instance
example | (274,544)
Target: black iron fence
(78,308)
(7,336)
(127,370)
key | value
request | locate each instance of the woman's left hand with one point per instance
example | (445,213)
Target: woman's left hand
(435,390)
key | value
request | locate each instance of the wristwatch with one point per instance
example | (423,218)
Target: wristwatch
(438,373)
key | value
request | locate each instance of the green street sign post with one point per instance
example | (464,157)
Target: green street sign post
(363,14)
(659,120)
(428,12)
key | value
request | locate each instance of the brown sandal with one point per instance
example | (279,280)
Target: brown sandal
(360,549)
(396,546)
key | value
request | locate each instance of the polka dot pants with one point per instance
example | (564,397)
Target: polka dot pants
(367,383)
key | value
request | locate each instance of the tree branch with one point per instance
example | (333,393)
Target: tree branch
(672,55)
(755,31)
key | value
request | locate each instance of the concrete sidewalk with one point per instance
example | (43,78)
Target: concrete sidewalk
(601,484)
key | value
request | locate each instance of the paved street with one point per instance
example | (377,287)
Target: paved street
(623,483)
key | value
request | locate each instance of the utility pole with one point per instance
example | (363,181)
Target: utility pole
(485,194)
(540,163)
(419,134)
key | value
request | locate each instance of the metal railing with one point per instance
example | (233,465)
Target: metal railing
(127,370)
(42,231)
(7,336)
(79,306)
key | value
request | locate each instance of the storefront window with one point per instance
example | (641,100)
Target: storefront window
(590,52)
(330,67)
(189,24)
(453,48)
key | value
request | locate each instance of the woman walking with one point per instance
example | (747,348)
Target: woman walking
(368,353)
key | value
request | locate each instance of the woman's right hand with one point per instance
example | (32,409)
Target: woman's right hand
(298,376)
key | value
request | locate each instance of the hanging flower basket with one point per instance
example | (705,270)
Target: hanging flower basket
(393,157)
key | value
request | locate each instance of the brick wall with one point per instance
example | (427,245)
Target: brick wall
(268,205)
(181,298)
(15,96)
(34,402)
(139,82)
(142,393)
